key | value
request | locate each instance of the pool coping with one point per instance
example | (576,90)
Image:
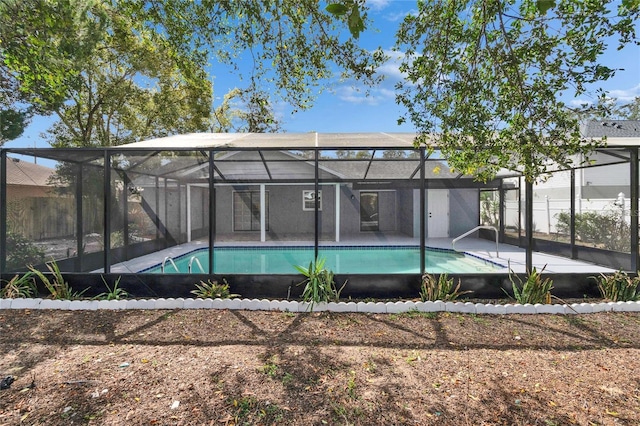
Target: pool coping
(299,307)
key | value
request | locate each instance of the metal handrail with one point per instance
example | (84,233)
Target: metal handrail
(458,238)
(164,262)
(197,263)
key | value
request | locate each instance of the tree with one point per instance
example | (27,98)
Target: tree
(291,45)
(122,70)
(108,79)
(631,110)
(12,124)
(484,77)
(246,110)
(607,108)
(13,117)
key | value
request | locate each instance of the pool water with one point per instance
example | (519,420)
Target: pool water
(341,260)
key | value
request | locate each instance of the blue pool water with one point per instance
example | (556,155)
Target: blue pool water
(341,260)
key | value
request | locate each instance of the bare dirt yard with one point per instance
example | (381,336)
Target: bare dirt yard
(209,367)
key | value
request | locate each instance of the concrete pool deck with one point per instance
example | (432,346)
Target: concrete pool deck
(508,255)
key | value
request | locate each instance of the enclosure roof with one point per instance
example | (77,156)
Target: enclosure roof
(278,140)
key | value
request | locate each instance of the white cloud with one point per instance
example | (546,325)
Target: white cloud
(399,16)
(354,95)
(621,96)
(625,95)
(391,68)
(579,103)
(377,4)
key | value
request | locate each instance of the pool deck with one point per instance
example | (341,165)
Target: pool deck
(508,255)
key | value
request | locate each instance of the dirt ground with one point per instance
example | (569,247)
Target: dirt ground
(209,367)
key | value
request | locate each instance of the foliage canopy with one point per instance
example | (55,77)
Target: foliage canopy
(484,77)
(123,70)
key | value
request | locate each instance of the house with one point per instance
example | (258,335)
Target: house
(28,180)
(34,208)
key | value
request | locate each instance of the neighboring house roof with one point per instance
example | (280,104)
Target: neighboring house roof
(617,132)
(24,173)
(612,128)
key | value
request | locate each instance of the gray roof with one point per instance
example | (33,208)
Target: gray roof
(612,129)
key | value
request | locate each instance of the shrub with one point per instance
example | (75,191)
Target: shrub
(115,293)
(533,290)
(57,286)
(20,286)
(605,230)
(440,288)
(319,283)
(21,252)
(213,290)
(619,287)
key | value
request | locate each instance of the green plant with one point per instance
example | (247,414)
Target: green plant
(351,385)
(271,367)
(619,287)
(532,290)
(213,290)
(21,252)
(20,286)
(607,230)
(115,293)
(439,288)
(489,208)
(57,286)
(319,283)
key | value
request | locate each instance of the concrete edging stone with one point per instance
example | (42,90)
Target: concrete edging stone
(295,306)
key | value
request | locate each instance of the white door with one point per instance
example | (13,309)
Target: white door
(437,213)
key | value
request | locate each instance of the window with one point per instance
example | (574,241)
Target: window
(369,211)
(309,200)
(246,211)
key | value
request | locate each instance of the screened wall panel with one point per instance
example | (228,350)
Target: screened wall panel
(602,207)
(41,212)
(552,207)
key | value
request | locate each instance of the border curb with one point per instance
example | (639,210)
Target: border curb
(295,306)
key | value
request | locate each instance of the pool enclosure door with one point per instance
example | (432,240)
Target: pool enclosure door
(438,213)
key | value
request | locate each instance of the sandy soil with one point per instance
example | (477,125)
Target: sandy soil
(207,367)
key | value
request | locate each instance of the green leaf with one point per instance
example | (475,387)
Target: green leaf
(337,9)
(544,5)
(356,24)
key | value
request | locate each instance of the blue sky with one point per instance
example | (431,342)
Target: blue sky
(343,107)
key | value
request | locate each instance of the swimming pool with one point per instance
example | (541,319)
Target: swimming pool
(341,260)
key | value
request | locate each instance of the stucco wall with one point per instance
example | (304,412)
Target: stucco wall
(405,210)
(464,211)
(287,217)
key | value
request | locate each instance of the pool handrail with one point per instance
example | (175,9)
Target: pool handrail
(458,238)
(164,262)
(197,263)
